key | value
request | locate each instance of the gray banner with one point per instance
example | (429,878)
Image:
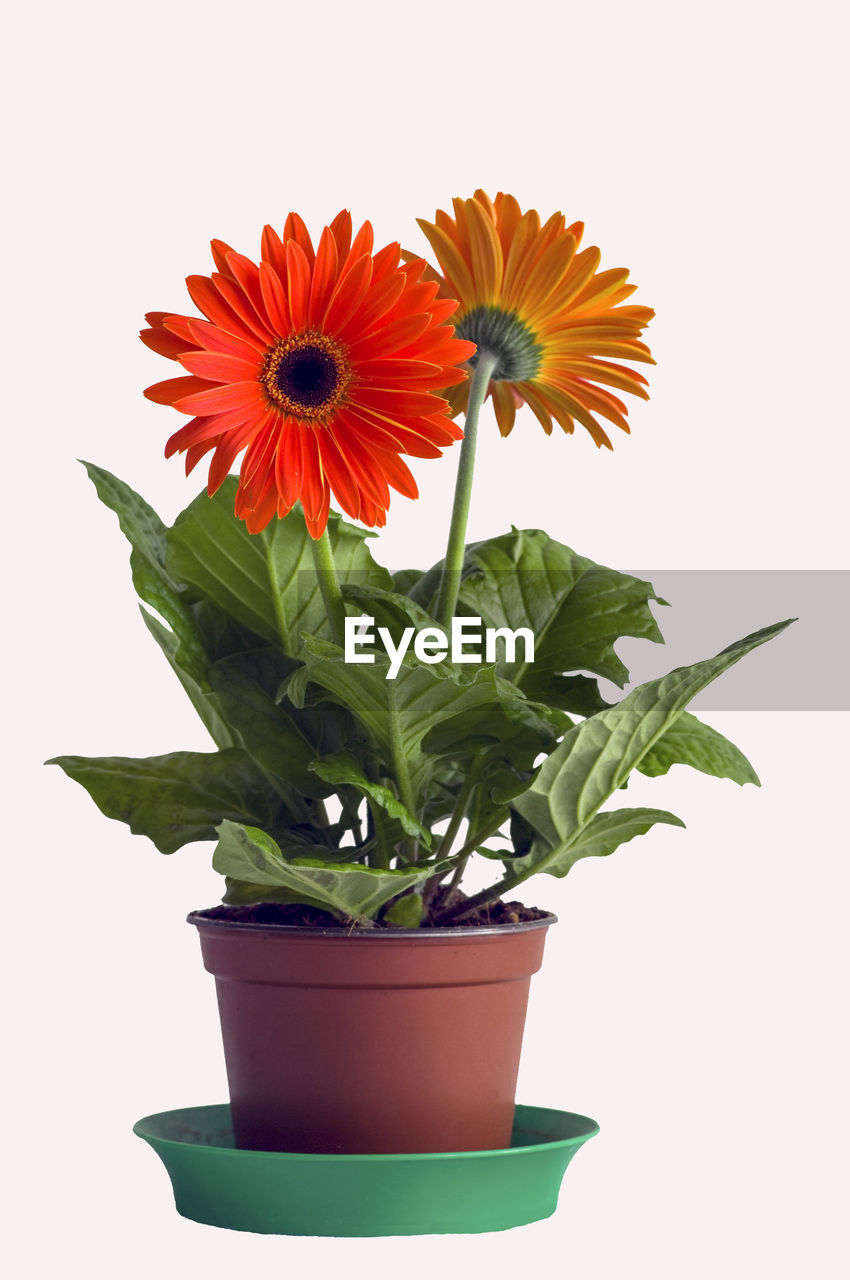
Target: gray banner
(804,669)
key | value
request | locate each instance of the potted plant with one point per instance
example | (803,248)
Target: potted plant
(376,734)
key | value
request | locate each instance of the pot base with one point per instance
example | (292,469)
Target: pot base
(281,1193)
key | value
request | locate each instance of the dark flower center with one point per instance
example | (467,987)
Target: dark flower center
(516,347)
(306,374)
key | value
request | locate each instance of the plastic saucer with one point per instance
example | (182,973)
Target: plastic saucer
(282,1193)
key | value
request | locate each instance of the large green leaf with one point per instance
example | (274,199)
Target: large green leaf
(205,703)
(267,580)
(350,890)
(154,584)
(601,836)
(399,713)
(596,757)
(345,770)
(180,797)
(690,741)
(576,609)
(273,733)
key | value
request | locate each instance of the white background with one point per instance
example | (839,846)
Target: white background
(693,999)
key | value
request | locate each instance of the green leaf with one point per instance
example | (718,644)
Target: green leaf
(404,580)
(266,581)
(596,756)
(601,836)
(508,727)
(398,714)
(405,912)
(204,703)
(578,695)
(239,893)
(147,536)
(396,613)
(273,733)
(180,797)
(575,608)
(350,890)
(343,769)
(690,741)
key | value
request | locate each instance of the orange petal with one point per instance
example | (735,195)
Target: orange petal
(219,368)
(274,297)
(295,230)
(298,284)
(325,272)
(173,388)
(220,399)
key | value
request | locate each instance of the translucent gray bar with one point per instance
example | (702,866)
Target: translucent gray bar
(804,669)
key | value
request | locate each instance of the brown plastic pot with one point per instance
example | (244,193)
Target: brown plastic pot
(373,1041)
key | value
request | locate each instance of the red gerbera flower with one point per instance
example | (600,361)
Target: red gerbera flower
(322,365)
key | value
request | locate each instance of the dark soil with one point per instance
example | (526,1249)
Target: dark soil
(313,918)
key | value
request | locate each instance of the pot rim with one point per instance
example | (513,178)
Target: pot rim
(458,932)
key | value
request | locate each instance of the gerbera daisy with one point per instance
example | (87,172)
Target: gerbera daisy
(322,365)
(543,310)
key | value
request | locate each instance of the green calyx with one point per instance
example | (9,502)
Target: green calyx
(503,333)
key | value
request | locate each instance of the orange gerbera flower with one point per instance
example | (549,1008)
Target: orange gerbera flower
(321,364)
(544,310)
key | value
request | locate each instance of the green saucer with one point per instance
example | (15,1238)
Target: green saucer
(280,1193)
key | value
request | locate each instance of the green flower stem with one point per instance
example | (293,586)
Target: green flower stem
(277,599)
(380,856)
(323,560)
(401,771)
(459,810)
(485,365)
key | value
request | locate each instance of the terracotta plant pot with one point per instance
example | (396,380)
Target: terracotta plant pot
(371,1041)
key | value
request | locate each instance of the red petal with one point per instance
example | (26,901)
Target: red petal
(340,477)
(173,388)
(297,231)
(361,462)
(163,342)
(211,338)
(341,229)
(298,284)
(399,402)
(199,429)
(220,399)
(381,297)
(219,368)
(272,250)
(398,475)
(220,250)
(314,486)
(289,465)
(347,297)
(207,299)
(274,297)
(397,335)
(240,301)
(325,272)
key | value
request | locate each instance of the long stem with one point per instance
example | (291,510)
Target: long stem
(277,599)
(453,564)
(381,855)
(323,559)
(401,770)
(459,810)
